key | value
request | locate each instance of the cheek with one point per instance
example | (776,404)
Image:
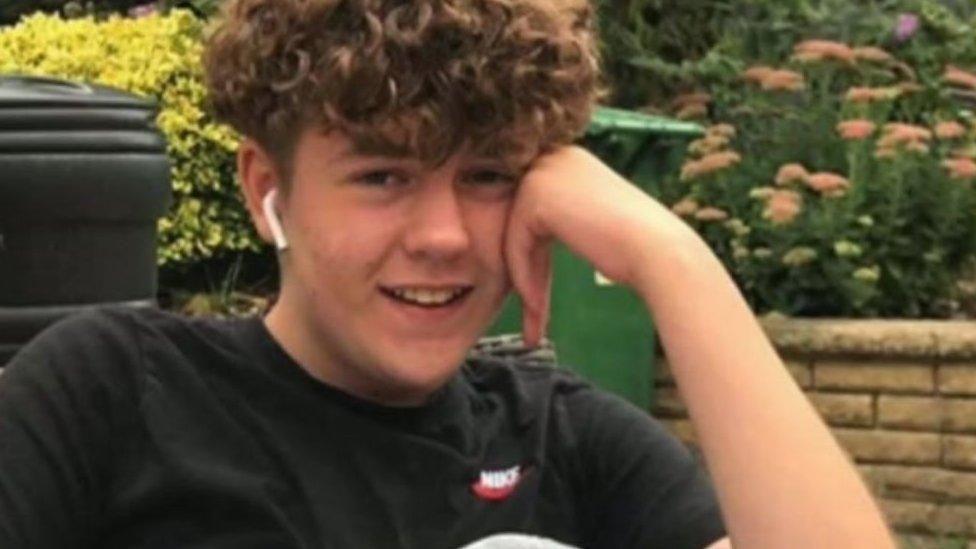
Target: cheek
(488,234)
(352,246)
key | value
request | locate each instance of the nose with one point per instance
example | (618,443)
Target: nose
(437,229)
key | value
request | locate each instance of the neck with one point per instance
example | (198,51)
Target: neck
(316,354)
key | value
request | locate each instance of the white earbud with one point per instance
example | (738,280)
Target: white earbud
(274,223)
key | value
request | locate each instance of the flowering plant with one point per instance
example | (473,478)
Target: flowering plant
(655,48)
(837,183)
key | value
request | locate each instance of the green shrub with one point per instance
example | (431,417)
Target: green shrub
(157,57)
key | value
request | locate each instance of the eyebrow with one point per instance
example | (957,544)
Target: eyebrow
(377,147)
(374,147)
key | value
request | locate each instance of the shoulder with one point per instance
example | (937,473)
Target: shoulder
(99,349)
(87,339)
(82,376)
(102,331)
(144,327)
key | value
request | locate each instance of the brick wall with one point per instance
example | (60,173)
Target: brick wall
(901,399)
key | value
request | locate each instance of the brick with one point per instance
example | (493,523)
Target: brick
(959,415)
(890,446)
(956,415)
(959,451)
(668,403)
(844,409)
(912,515)
(955,519)
(906,412)
(956,379)
(869,475)
(801,371)
(920,483)
(909,377)
(683,429)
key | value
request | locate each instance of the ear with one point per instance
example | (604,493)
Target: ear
(258,175)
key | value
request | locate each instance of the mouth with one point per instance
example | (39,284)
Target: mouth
(427,297)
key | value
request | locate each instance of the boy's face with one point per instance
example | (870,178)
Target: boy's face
(393,269)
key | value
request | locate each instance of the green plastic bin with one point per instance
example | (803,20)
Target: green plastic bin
(601,330)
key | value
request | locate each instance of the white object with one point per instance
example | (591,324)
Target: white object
(516,541)
(602,280)
(274,222)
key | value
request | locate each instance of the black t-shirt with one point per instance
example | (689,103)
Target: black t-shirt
(142,429)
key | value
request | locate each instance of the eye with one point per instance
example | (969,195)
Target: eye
(381,178)
(491,177)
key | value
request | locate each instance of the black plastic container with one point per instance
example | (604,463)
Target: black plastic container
(84,178)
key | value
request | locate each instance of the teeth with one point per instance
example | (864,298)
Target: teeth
(427,297)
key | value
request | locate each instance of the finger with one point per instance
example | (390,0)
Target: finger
(522,258)
(529,324)
(546,291)
(534,324)
(536,311)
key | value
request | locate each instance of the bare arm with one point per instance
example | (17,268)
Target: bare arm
(782,480)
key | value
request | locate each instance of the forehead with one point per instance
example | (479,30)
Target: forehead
(410,141)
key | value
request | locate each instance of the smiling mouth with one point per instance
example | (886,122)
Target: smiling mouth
(427,298)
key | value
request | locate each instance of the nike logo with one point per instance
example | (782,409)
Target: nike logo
(497,485)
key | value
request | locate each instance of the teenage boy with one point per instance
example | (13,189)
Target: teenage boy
(412,162)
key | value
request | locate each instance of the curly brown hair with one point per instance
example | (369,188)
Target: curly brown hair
(509,78)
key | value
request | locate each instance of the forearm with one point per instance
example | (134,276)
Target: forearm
(781,478)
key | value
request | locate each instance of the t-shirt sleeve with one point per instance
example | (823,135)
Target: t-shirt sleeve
(643,487)
(64,399)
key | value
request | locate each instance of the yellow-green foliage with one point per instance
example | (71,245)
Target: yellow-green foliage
(157,57)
